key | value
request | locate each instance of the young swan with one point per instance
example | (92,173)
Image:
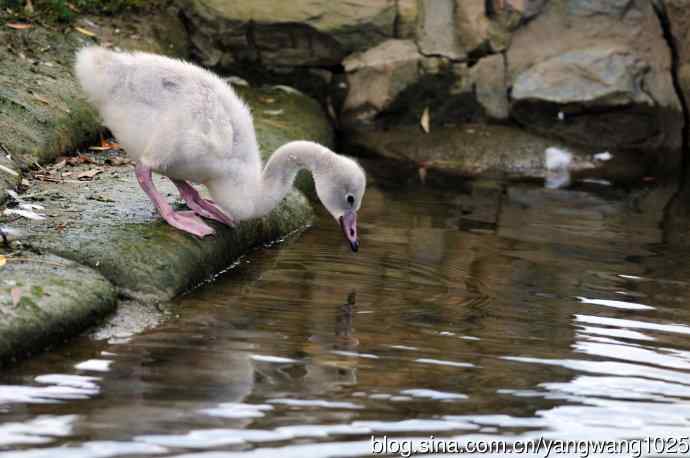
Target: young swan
(184,122)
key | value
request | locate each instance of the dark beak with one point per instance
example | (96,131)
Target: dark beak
(348,223)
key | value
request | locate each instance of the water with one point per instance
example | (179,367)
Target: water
(497,314)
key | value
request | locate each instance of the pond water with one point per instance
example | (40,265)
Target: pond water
(496,313)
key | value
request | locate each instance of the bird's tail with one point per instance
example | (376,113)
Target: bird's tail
(94,70)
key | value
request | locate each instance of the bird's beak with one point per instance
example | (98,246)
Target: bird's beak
(348,223)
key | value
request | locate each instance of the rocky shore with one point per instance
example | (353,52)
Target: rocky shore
(465,89)
(99,241)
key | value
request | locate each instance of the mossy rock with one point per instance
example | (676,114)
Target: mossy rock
(45,298)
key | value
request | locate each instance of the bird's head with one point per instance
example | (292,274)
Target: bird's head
(340,188)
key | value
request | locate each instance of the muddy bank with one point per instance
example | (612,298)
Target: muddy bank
(101,241)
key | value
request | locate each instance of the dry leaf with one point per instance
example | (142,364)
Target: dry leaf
(72,7)
(60,164)
(83,31)
(81,159)
(116,160)
(424,121)
(89,174)
(3,260)
(19,25)
(8,170)
(41,99)
(106,147)
(16,294)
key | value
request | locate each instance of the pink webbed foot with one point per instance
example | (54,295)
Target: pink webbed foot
(187,221)
(200,206)
(216,213)
(184,221)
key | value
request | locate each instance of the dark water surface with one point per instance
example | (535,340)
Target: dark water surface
(510,314)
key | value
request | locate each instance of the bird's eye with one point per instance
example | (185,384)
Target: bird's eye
(350,199)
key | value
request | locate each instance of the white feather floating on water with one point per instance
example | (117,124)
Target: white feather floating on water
(557,162)
(605,156)
(557,158)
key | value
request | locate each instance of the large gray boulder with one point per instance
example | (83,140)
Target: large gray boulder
(677,15)
(376,78)
(295,33)
(596,74)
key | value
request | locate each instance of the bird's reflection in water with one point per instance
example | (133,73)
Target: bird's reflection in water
(344,338)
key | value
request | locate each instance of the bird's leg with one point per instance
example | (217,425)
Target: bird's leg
(200,206)
(183,221)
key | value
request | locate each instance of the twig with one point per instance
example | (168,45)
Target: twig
(274,123)
(36,260)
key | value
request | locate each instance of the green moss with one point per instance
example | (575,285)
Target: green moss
(58,298)
(68,10)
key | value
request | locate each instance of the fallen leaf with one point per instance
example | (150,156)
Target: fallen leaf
(117,160)
(60,164)
(105,145)
(83,31)
(287,89)
(89,174)
(72,7)
(424,121)
(81,159)
(9,170)
(3,260)
(16,294)
(41,99)
(19,25)
(236,80)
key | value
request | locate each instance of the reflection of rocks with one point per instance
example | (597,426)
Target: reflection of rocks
(487,151)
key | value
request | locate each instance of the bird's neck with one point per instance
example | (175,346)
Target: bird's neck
(281,169)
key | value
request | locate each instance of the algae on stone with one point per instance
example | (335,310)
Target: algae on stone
(45,298)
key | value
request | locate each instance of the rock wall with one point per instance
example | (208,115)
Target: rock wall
(595,74)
